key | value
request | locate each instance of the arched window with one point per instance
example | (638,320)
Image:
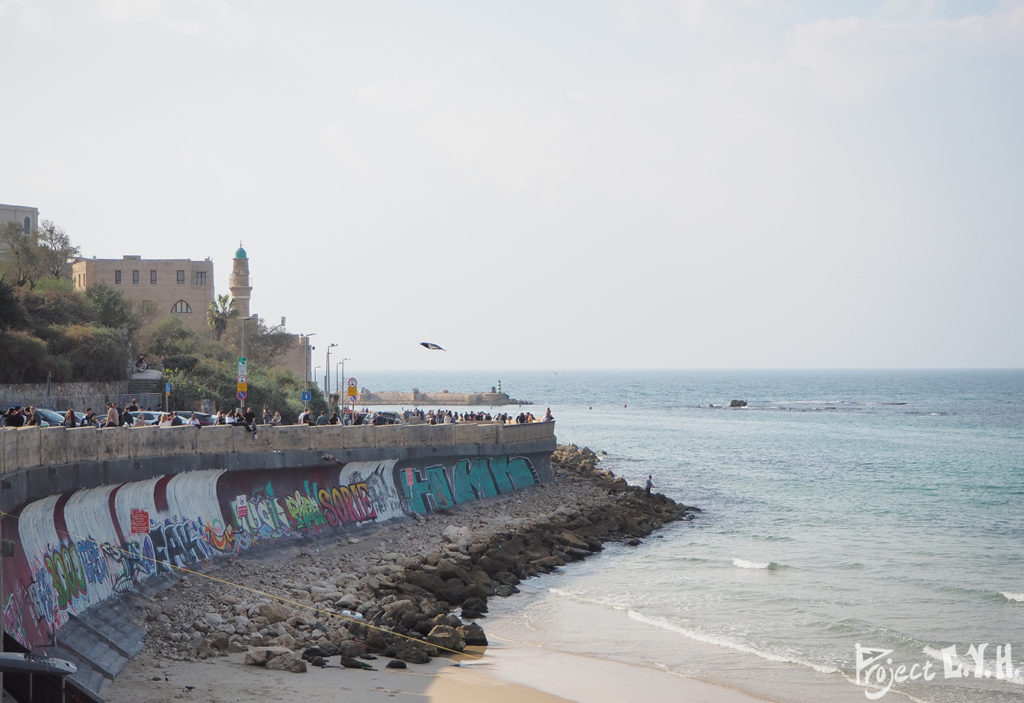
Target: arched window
(181,306)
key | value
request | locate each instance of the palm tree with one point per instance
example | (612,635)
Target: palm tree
(220,311)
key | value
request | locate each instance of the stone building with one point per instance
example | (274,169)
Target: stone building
(27,217)
(155,287)
(183,288)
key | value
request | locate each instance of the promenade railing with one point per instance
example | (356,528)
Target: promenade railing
(31,447)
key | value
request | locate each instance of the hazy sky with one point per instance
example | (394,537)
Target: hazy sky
(589,184)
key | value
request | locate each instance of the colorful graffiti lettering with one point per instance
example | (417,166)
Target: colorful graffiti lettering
(94,563)
(304,512)
(40,595)
(219,536)
(67,575)
(345,505)
(469,479)
(177,543)
(263,518)
(136,561)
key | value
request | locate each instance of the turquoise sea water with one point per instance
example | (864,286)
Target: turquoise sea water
(876,508)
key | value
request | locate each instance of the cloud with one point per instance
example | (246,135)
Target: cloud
(853,59)
(192,18)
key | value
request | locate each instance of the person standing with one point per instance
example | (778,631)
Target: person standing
(70,421)
(113,418)
(650,484)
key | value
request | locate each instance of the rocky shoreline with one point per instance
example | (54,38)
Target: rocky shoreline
(406,591)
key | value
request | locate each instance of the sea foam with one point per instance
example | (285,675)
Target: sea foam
(725,642)
(744,564)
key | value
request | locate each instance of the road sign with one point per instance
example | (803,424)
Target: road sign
(242,365)
(167,388)
(243,387)
(242,378)
(352,382)
(307,396)
(242,361)
(351,398)
(241,395)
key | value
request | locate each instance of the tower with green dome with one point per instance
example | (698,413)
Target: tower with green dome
(241,291)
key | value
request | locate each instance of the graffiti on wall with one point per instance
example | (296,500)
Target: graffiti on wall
(76,550)
(440,486)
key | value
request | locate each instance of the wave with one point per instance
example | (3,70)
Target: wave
(727,643)
(744,564)
(1015,597)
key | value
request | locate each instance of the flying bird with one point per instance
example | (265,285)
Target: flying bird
(431,345)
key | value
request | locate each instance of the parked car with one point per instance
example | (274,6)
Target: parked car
(50,418)
(204,418)
(150,417)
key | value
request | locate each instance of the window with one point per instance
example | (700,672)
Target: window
(181,276)
(200,278)
(117,277)
(135,277)
(152,277)
(27,225)
(181,306)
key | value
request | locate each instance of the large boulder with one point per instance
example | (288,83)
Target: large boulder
(447,637)
(288,662)
(259,656)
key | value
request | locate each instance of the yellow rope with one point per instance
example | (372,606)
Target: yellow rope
(266,594)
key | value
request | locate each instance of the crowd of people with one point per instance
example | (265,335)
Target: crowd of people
(131,416)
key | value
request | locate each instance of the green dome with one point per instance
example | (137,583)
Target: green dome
(240,254)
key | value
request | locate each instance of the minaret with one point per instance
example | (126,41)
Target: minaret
(239,282)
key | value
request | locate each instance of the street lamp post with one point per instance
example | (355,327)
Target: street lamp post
(315,369)
(243,321)
(344,382)
(327,371)
(305,364)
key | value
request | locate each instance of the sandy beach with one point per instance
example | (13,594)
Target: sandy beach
(504,674)
(181,660)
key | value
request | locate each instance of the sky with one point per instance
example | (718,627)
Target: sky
(592,184)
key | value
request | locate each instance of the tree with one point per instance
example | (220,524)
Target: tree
(25,359)
(220,312)
(55,250)
(169,337)
(12,314)
(23,264)
(112,308)
(95,353)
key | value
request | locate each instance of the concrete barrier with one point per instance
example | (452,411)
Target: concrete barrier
(81,545)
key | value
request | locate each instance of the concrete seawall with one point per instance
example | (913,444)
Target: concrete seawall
(93,513)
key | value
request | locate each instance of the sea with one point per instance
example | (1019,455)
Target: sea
(861,533)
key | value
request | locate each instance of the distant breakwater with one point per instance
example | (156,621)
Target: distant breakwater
(416,397)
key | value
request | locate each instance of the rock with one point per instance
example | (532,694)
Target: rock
(459,536)
(259,656)
(737,403)
(472,634)
(447,637)
(288,662)
(273,612)
(396,664)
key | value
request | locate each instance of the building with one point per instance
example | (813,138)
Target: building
(27,217)
(155,287)
(238,283)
